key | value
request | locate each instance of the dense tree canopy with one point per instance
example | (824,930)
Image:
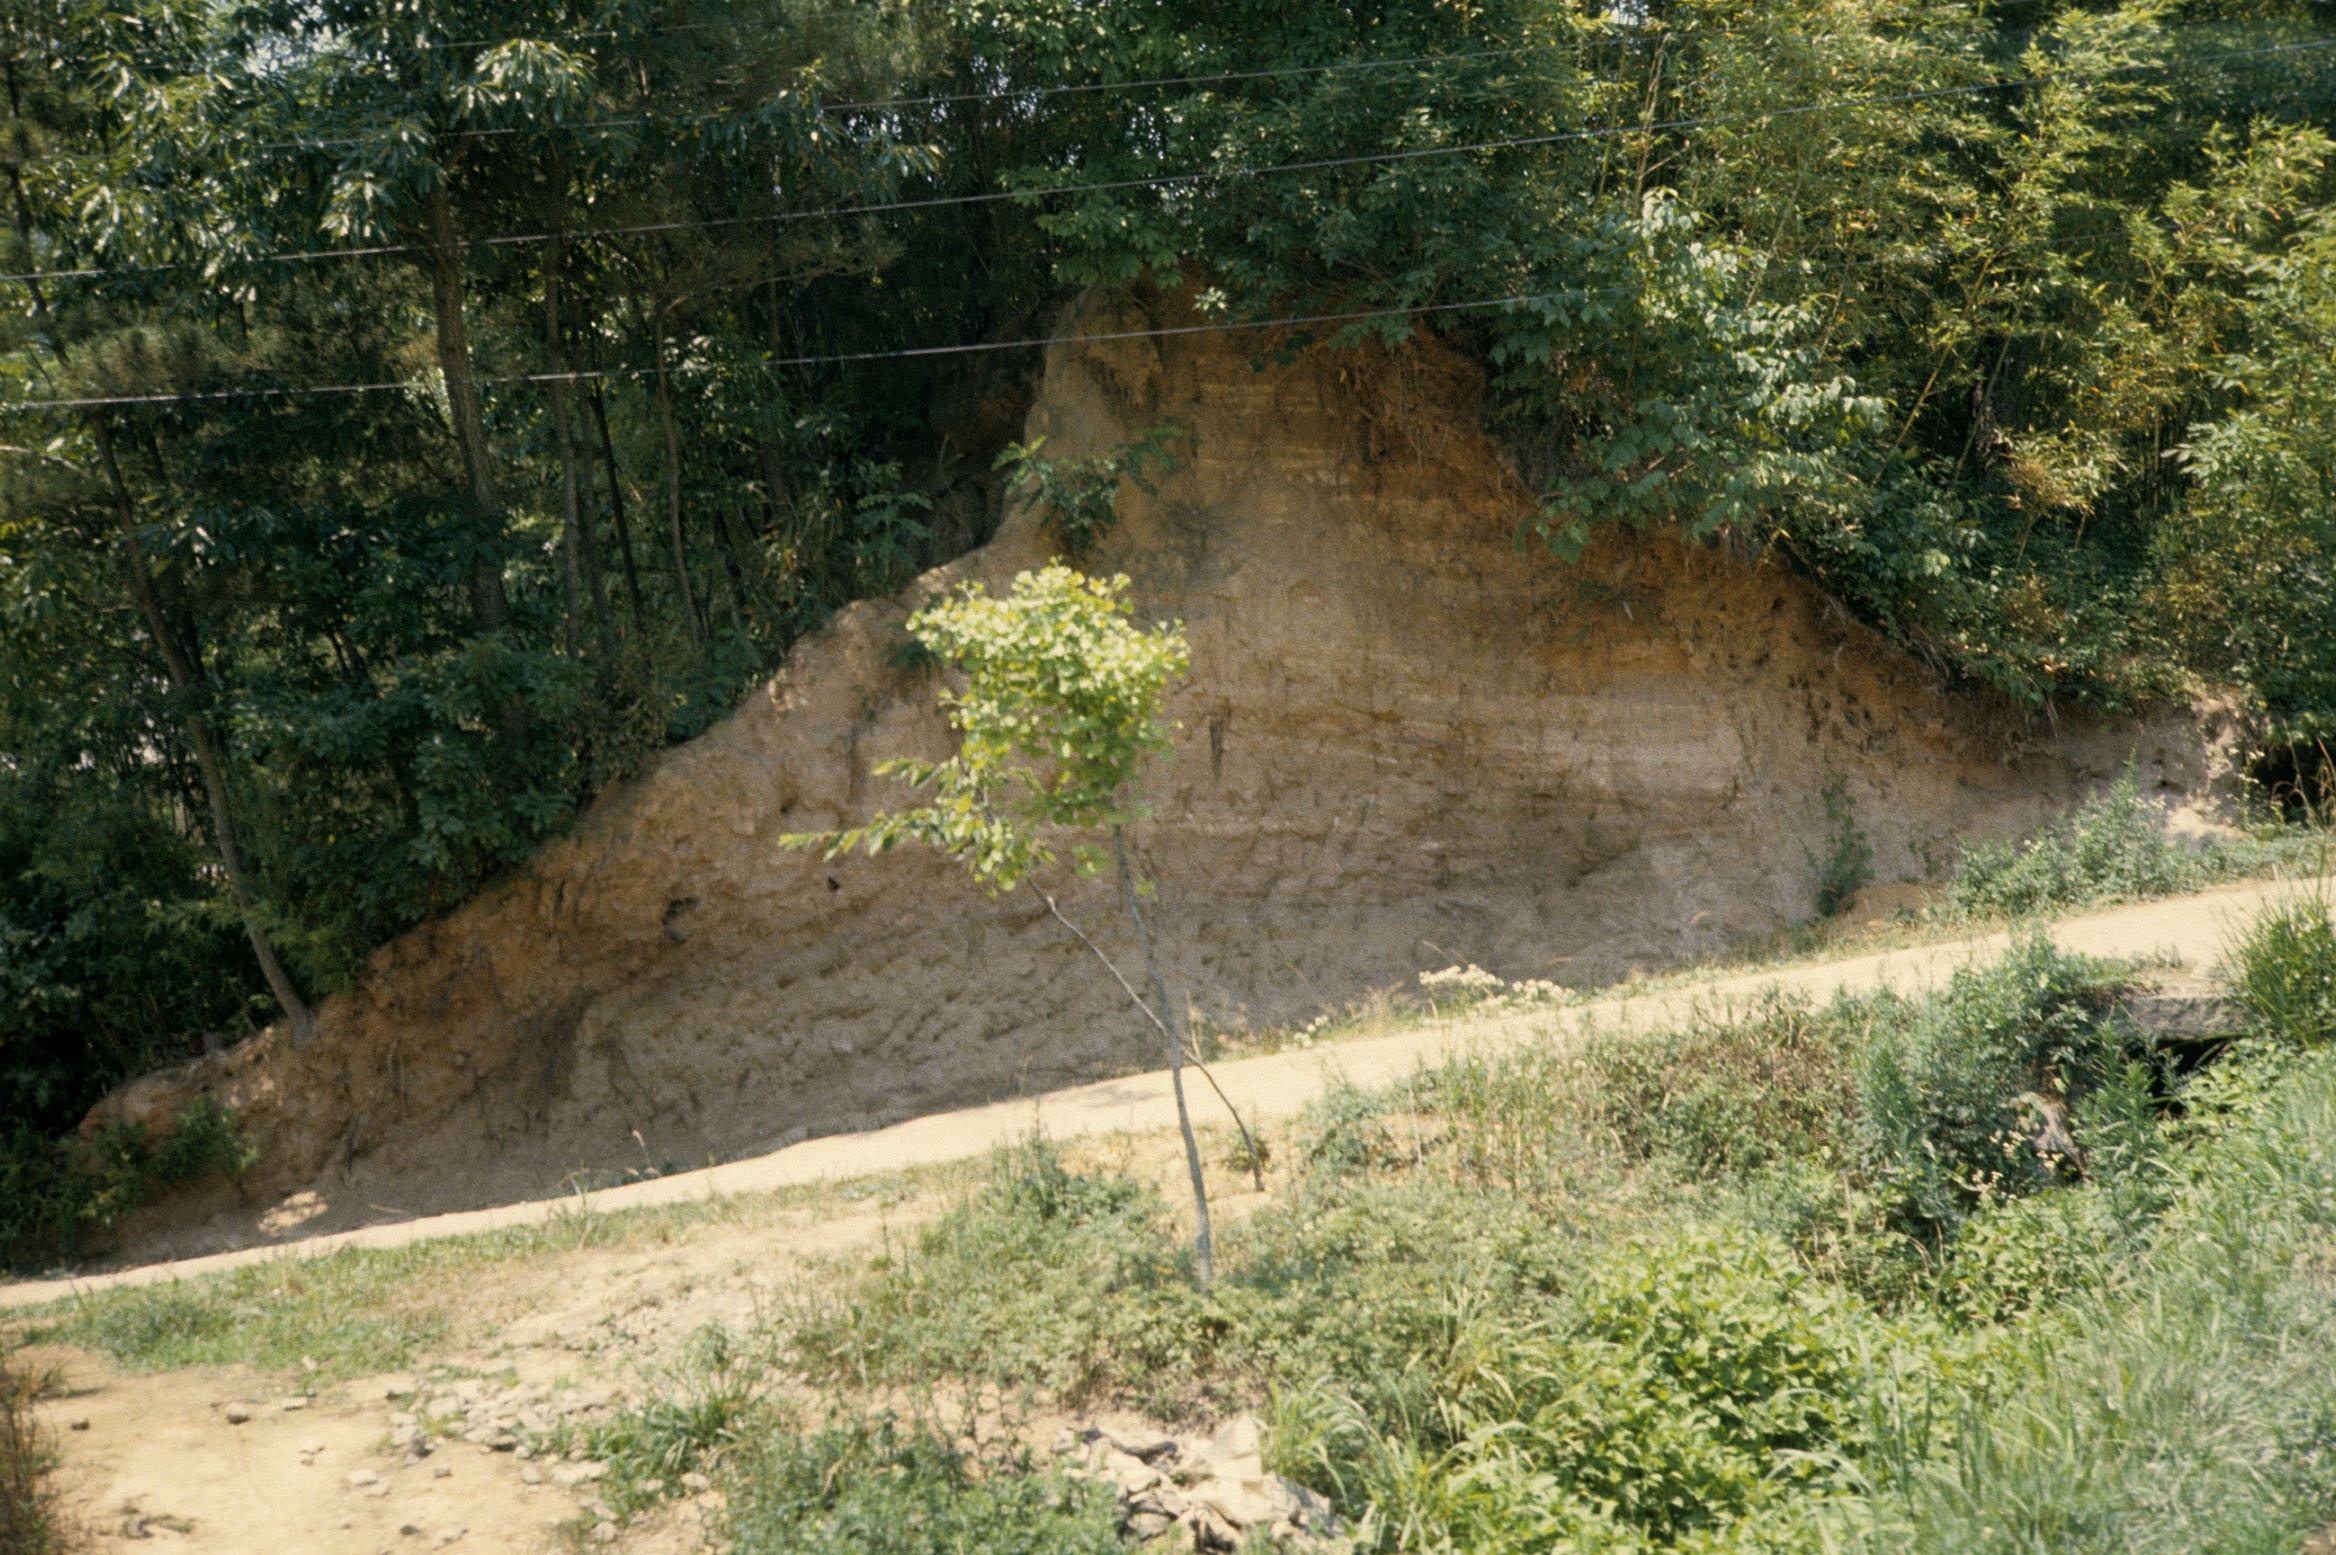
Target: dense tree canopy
(414,417)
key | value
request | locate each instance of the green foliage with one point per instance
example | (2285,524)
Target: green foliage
(1046,1278)
(63,1195)
(704,1409)
(1060,711)
(2112,848)
(1729,1096)
(2284,972)
(1079,495)
(350,1316)
(1849,857)
(872,1486)
(1956,1096)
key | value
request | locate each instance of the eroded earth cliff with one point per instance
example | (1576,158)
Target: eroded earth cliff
(1406,743)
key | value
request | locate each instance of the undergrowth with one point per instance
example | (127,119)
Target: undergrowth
(30,1521)
(59,1196)
(1976,1271)
(2116,847)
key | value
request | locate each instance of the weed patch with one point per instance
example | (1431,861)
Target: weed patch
(2285,972)
(875,1487)
(29,1520)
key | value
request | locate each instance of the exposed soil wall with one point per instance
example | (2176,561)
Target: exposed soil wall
(1405,743)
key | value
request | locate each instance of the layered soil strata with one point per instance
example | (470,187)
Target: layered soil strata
(1407,742)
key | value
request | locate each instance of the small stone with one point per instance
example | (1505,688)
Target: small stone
(1241,1502)
(410,1530)
(238,1413)
(1130,1474)
(602,1533)
(381,1489)
(1149,1525)
(448,1536)
(531,1474)
(1293,1503)
(294,1403)
(441,1470)
(652,1487)
(78,1425)
(1147,1445)
(1066,1442)
(569,1475)
(413,1460)
(358,1479)
(694,1481)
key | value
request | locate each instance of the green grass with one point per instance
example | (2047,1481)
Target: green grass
(2115,848)
(1801,1279)
(868,1485)
(359,1311)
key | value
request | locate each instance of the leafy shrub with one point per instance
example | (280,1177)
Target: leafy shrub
(2113,848)
(1689,1385)
(872,1487)
(1047,1278)
(1728,1096)
(2179,1401)
(1849,857)
(56,1194)
(2285,972)
(1953,1092)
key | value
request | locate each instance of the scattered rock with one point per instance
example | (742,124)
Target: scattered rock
(569,1475)
(1149,1524)
(448,1536)
(1293,1503)
(296,1402)
(602,1533)
(441,1470)
(1241,1502)
(359,1479)
(694,1481)
(1131,1474)
(1151,1446)
(237,1414)
(652,1487)
(78,1425)
(530,1474)
(410,1530)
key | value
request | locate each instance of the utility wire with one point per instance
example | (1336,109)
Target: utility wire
(833,359)
(1170,180)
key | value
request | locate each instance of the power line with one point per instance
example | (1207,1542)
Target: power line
(1169,180)
(1362,315)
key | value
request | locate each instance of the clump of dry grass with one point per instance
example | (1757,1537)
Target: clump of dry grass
(29,1523)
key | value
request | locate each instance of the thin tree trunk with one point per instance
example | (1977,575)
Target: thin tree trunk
(209,763)
(732,574)
(689,613)
(616,508)
(490,607)
(1204,1251)
(1256,1155)
(186,680)
(581,549)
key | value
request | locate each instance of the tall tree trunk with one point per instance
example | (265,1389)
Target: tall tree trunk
(689,613)
(732,573)
(1205,1257)
(186,678)
(579,547)
(490,607)
(616,508)
(184,674)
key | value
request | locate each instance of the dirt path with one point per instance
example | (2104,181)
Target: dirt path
(2188,932)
